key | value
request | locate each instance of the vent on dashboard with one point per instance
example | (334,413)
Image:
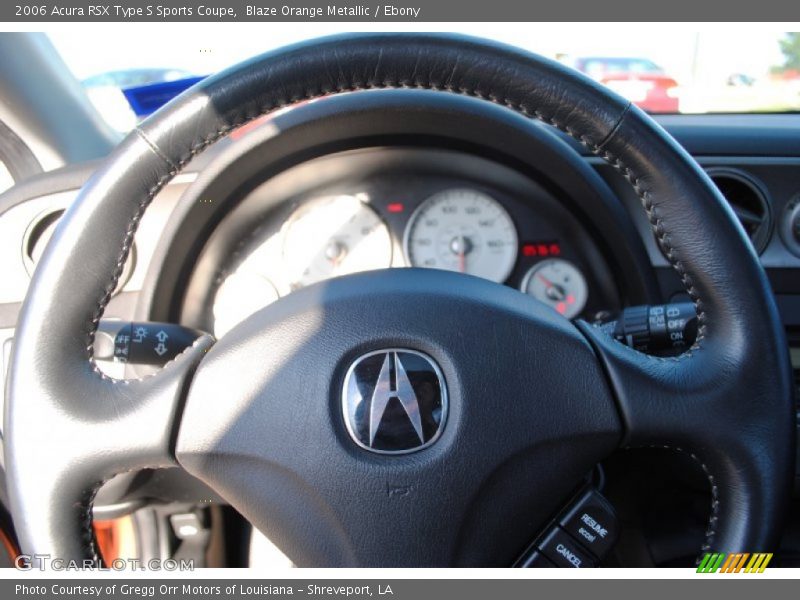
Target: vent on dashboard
(38,235)
(748,200)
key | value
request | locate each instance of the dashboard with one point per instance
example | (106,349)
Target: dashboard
(445,186)
(393,208)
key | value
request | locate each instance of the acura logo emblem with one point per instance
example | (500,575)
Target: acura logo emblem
(394,401)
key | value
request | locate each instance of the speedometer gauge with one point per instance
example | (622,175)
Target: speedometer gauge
(332,236)
(462,230)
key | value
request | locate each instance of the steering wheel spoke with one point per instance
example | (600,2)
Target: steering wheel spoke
(703,404)
(522,435)
(83,434)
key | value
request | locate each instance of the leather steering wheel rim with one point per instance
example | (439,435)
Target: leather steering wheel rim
(727,402)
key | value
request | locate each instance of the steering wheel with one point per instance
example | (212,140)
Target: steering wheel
(518,404)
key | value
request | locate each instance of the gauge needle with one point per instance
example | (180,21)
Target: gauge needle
(544,280)
(461,246)
(556,292)
(335,253)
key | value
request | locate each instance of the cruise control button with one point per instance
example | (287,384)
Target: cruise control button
(593,523)
(564,551)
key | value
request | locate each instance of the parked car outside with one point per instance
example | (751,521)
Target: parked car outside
(638,79)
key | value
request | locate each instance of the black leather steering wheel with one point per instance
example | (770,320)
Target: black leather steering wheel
(535,401)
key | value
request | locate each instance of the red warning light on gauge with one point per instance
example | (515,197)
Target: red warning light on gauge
(541,249)
(395,207)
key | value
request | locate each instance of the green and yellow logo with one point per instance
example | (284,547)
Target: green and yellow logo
(717,562)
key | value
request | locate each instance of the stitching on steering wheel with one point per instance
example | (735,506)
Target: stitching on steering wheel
(656,222)
(89,539)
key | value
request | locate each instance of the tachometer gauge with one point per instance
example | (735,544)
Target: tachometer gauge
(462,230)
(557,283)
(333,236)
(240,295)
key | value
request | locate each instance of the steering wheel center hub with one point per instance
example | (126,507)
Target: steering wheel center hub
(424,395)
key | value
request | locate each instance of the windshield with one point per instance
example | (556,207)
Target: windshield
(661,68)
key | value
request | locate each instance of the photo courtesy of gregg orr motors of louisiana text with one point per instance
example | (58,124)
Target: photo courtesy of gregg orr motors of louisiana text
(189,589)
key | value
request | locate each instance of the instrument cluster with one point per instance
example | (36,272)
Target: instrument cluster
(522,238)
